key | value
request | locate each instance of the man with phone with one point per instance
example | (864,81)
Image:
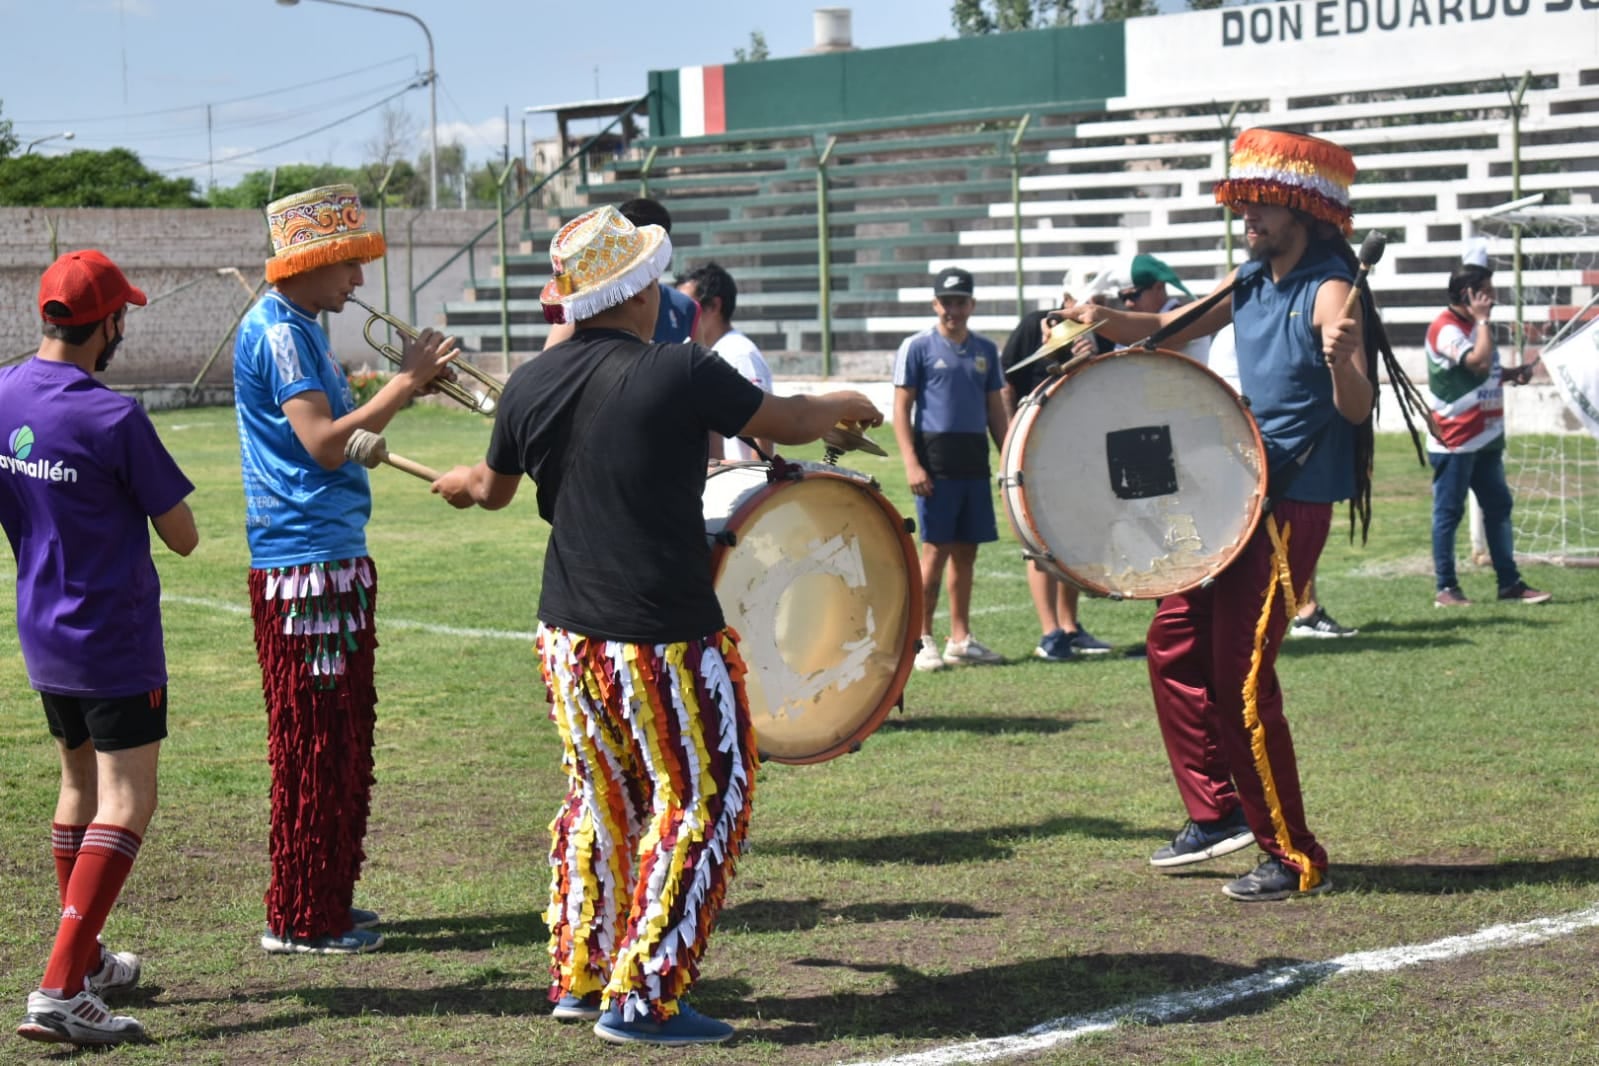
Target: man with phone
(1466,382)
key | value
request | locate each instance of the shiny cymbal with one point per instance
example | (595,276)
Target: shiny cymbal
(1061,335)
(847,437)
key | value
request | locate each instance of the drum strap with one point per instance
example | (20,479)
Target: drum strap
(1194,313)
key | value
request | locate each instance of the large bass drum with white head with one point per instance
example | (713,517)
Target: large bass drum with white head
(817,573)
(1134,474)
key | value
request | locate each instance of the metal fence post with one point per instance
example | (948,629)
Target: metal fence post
(1519,335)
(505,270)
(824,259)
(1016,207)
(1226,171)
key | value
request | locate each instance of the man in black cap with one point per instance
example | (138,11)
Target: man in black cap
(947,404)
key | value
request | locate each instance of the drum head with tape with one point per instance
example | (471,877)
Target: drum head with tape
(1136,474)
(820,585)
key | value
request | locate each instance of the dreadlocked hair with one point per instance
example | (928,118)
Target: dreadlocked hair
(1413,406)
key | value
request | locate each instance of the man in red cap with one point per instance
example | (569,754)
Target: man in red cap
(83,476)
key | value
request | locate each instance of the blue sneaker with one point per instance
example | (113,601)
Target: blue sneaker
(570,1008)
(1055,647)
(1085,643)
(351,942)
(363,919)
(1199,841)
(687,1026)
(1272,880)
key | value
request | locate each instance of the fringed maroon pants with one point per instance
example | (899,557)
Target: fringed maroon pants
(315,638)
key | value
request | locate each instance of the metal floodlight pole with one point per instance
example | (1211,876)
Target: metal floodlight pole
(1515,194)
(1016,207)
(1226,172)
(433,88)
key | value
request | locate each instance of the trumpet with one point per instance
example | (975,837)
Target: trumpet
(483,402)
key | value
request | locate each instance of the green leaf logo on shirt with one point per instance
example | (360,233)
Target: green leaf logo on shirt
(21,442)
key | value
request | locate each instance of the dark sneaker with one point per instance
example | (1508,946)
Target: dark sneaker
(1450,597)
(83,1020)
(1199,841)
(687,1026)
(351,942)
(1319,624)
(1272,880)
(1055,647)
(1521,593)
(1085,643)
(570,1008)
(118,972)
(363,919)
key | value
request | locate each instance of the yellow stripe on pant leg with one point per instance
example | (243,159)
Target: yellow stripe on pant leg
(1309,876)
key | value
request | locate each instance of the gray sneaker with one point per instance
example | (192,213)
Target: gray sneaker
(1199,841)
(970,651)
(352,942)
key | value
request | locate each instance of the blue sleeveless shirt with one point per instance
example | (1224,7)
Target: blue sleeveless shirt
(1282,372)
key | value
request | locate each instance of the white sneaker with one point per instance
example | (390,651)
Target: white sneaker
(970,651)
(84,1020)
(118,972)
(927,657)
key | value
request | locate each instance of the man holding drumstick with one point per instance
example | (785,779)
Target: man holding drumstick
(1304,365)
(313,589)
(644,679)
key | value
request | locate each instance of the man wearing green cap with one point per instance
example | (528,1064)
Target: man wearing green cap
(1140,282)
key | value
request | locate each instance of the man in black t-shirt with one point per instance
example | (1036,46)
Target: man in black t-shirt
(645,680)
(1054,600)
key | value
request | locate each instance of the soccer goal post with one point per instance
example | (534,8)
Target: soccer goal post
(1554,476)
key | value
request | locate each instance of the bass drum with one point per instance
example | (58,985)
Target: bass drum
(1134,474)
(816,571)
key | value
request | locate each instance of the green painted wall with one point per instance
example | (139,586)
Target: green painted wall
(1030,68)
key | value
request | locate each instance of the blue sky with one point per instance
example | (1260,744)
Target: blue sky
(139,73)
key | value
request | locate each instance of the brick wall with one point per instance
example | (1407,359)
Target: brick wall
(177,257)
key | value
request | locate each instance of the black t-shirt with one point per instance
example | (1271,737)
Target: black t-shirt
(1027,338)
(613,432)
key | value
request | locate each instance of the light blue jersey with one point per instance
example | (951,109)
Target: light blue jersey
(295,511)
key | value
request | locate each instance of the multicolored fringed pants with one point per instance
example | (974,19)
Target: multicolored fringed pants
(660,762)
(1212,664)
(315,638)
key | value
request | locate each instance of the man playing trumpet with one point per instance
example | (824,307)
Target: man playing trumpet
(644,677)
(312,587)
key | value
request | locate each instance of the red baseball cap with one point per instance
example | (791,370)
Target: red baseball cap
(89,285)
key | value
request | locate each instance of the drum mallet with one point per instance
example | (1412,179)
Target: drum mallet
(1371,250)
(370,449)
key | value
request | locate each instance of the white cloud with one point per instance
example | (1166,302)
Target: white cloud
(482,139)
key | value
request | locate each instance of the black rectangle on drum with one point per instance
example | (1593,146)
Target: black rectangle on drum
(1140,462)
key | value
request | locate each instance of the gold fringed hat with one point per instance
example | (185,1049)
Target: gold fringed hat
(601,259)
(1293,170)
(319,227)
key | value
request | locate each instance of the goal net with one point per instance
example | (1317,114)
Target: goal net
(1554,476)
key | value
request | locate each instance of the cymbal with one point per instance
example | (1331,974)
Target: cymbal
(847,437)
(1061,335)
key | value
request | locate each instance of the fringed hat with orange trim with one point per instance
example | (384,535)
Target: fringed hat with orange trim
(1293,170)
(319,227)
(601,259)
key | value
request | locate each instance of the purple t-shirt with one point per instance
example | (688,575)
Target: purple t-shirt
(82,472)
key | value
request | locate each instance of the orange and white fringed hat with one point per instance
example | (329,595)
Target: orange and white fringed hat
(319,227)
(601,259)
(1292,170)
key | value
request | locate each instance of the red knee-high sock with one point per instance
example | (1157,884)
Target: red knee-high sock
(103,863)
(65,840)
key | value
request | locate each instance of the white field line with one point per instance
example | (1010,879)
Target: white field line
(1158,1010)
(387,623)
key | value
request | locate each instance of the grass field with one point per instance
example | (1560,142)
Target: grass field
(980,867)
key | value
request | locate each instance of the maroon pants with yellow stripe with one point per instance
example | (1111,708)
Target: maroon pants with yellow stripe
(1201,645)
(660,760)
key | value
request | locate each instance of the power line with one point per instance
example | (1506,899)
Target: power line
(301,136)
(201,107)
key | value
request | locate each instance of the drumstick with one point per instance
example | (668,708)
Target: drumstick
(369,449)
(1371,250)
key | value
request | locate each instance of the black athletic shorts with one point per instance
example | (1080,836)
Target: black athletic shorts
(116,723)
